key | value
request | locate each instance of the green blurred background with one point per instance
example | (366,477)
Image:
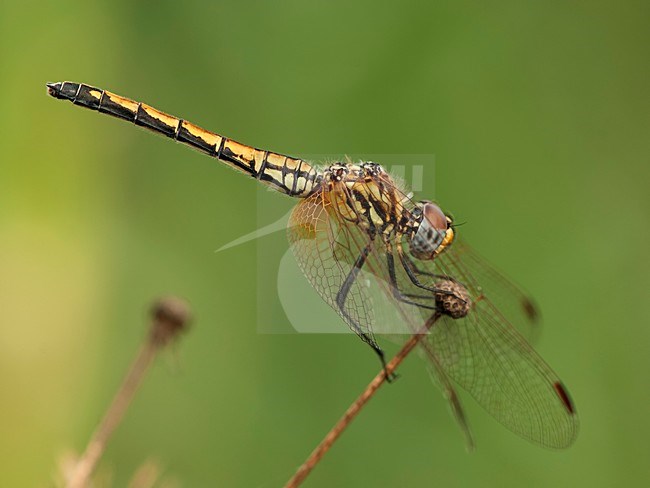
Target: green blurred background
(538,116)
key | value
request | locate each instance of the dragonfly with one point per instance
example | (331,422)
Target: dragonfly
(372,252)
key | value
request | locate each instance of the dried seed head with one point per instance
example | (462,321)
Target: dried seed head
(170,316)
(452,298)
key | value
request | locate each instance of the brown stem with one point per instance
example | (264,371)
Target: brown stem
(170,316)
(354,409)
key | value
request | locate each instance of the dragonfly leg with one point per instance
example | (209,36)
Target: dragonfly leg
(408,297)
(409,267)
(341,298)
(397,294)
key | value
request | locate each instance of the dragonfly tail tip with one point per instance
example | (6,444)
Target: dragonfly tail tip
(53,89)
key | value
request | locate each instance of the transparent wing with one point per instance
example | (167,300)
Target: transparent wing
(483,352)
(487,356)
(320,240)
(507,297)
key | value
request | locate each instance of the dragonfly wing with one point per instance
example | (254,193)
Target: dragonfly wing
(514,304)
(482,352)
(326,253)
(490,359)
(440,378)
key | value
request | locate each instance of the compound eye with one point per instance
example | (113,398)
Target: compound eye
(436,217)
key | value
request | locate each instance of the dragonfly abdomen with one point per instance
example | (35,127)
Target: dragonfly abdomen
(292,176)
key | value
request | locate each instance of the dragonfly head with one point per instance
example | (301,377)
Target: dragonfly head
(432,232)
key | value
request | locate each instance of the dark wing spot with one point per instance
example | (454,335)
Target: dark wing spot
(564,396)
(530,309)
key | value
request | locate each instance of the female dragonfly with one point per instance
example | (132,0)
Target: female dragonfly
(357,236)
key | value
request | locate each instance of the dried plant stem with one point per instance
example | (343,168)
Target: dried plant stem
(354,409)
(97,444)
(170,316)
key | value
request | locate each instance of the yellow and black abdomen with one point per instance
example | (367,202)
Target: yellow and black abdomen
(294,177)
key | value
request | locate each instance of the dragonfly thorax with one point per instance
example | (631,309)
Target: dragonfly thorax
(432,232)
(364,193)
